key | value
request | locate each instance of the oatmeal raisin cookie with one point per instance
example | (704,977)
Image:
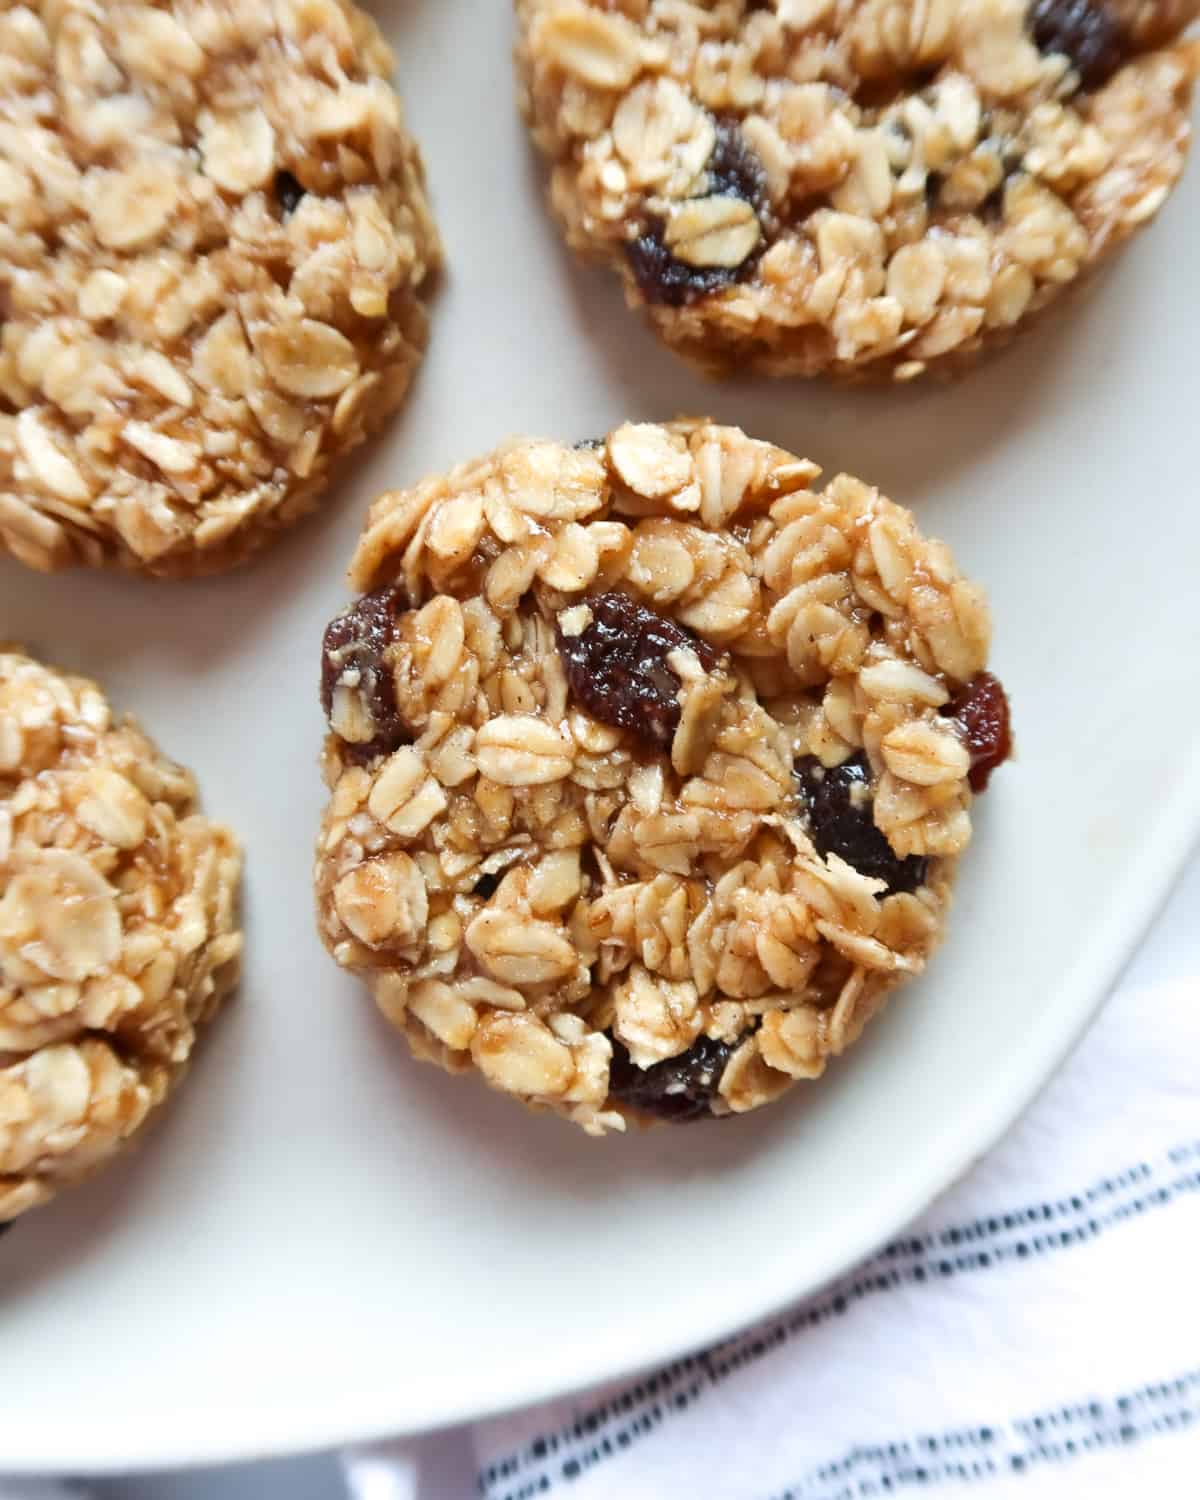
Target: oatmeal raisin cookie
(853,187)
(214,252)
(118,928)
(650,763)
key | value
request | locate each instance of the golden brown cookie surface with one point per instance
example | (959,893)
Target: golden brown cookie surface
(649,767)
(829,186)
(214,252)
(119,934)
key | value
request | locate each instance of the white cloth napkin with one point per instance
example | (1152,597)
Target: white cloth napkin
(1035,1334)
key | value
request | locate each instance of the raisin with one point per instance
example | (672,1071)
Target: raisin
(1085,31)
(981,708)
(667,282)
(288,192)
(352,657)
(680,1090)
(485,887)
(734,171)
(841,822)
(617,666)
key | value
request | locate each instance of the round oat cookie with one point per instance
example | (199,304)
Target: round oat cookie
(650,764)
(118,928)
(214,250)
(858,189)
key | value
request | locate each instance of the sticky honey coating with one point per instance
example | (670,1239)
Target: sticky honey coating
(860,190)
(609,727)
(119,934)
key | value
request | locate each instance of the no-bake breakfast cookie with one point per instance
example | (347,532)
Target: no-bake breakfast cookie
(855,187)
(650,764)
(214,250)
(118,928)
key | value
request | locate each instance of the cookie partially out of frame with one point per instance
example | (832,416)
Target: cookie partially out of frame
(119,934)
(854,187)
(649,765)
(214,251)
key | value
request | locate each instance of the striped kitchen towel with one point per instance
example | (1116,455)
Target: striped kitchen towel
(1035,1334)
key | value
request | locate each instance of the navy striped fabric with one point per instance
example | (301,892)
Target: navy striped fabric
(556,1458)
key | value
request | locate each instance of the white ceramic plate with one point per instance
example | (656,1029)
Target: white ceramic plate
(324,1240)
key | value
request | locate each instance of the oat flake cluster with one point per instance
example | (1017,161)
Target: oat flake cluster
(118,928)
(854,186)
(214,244)
(650,764)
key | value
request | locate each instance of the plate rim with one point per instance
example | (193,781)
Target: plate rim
(242,1435)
